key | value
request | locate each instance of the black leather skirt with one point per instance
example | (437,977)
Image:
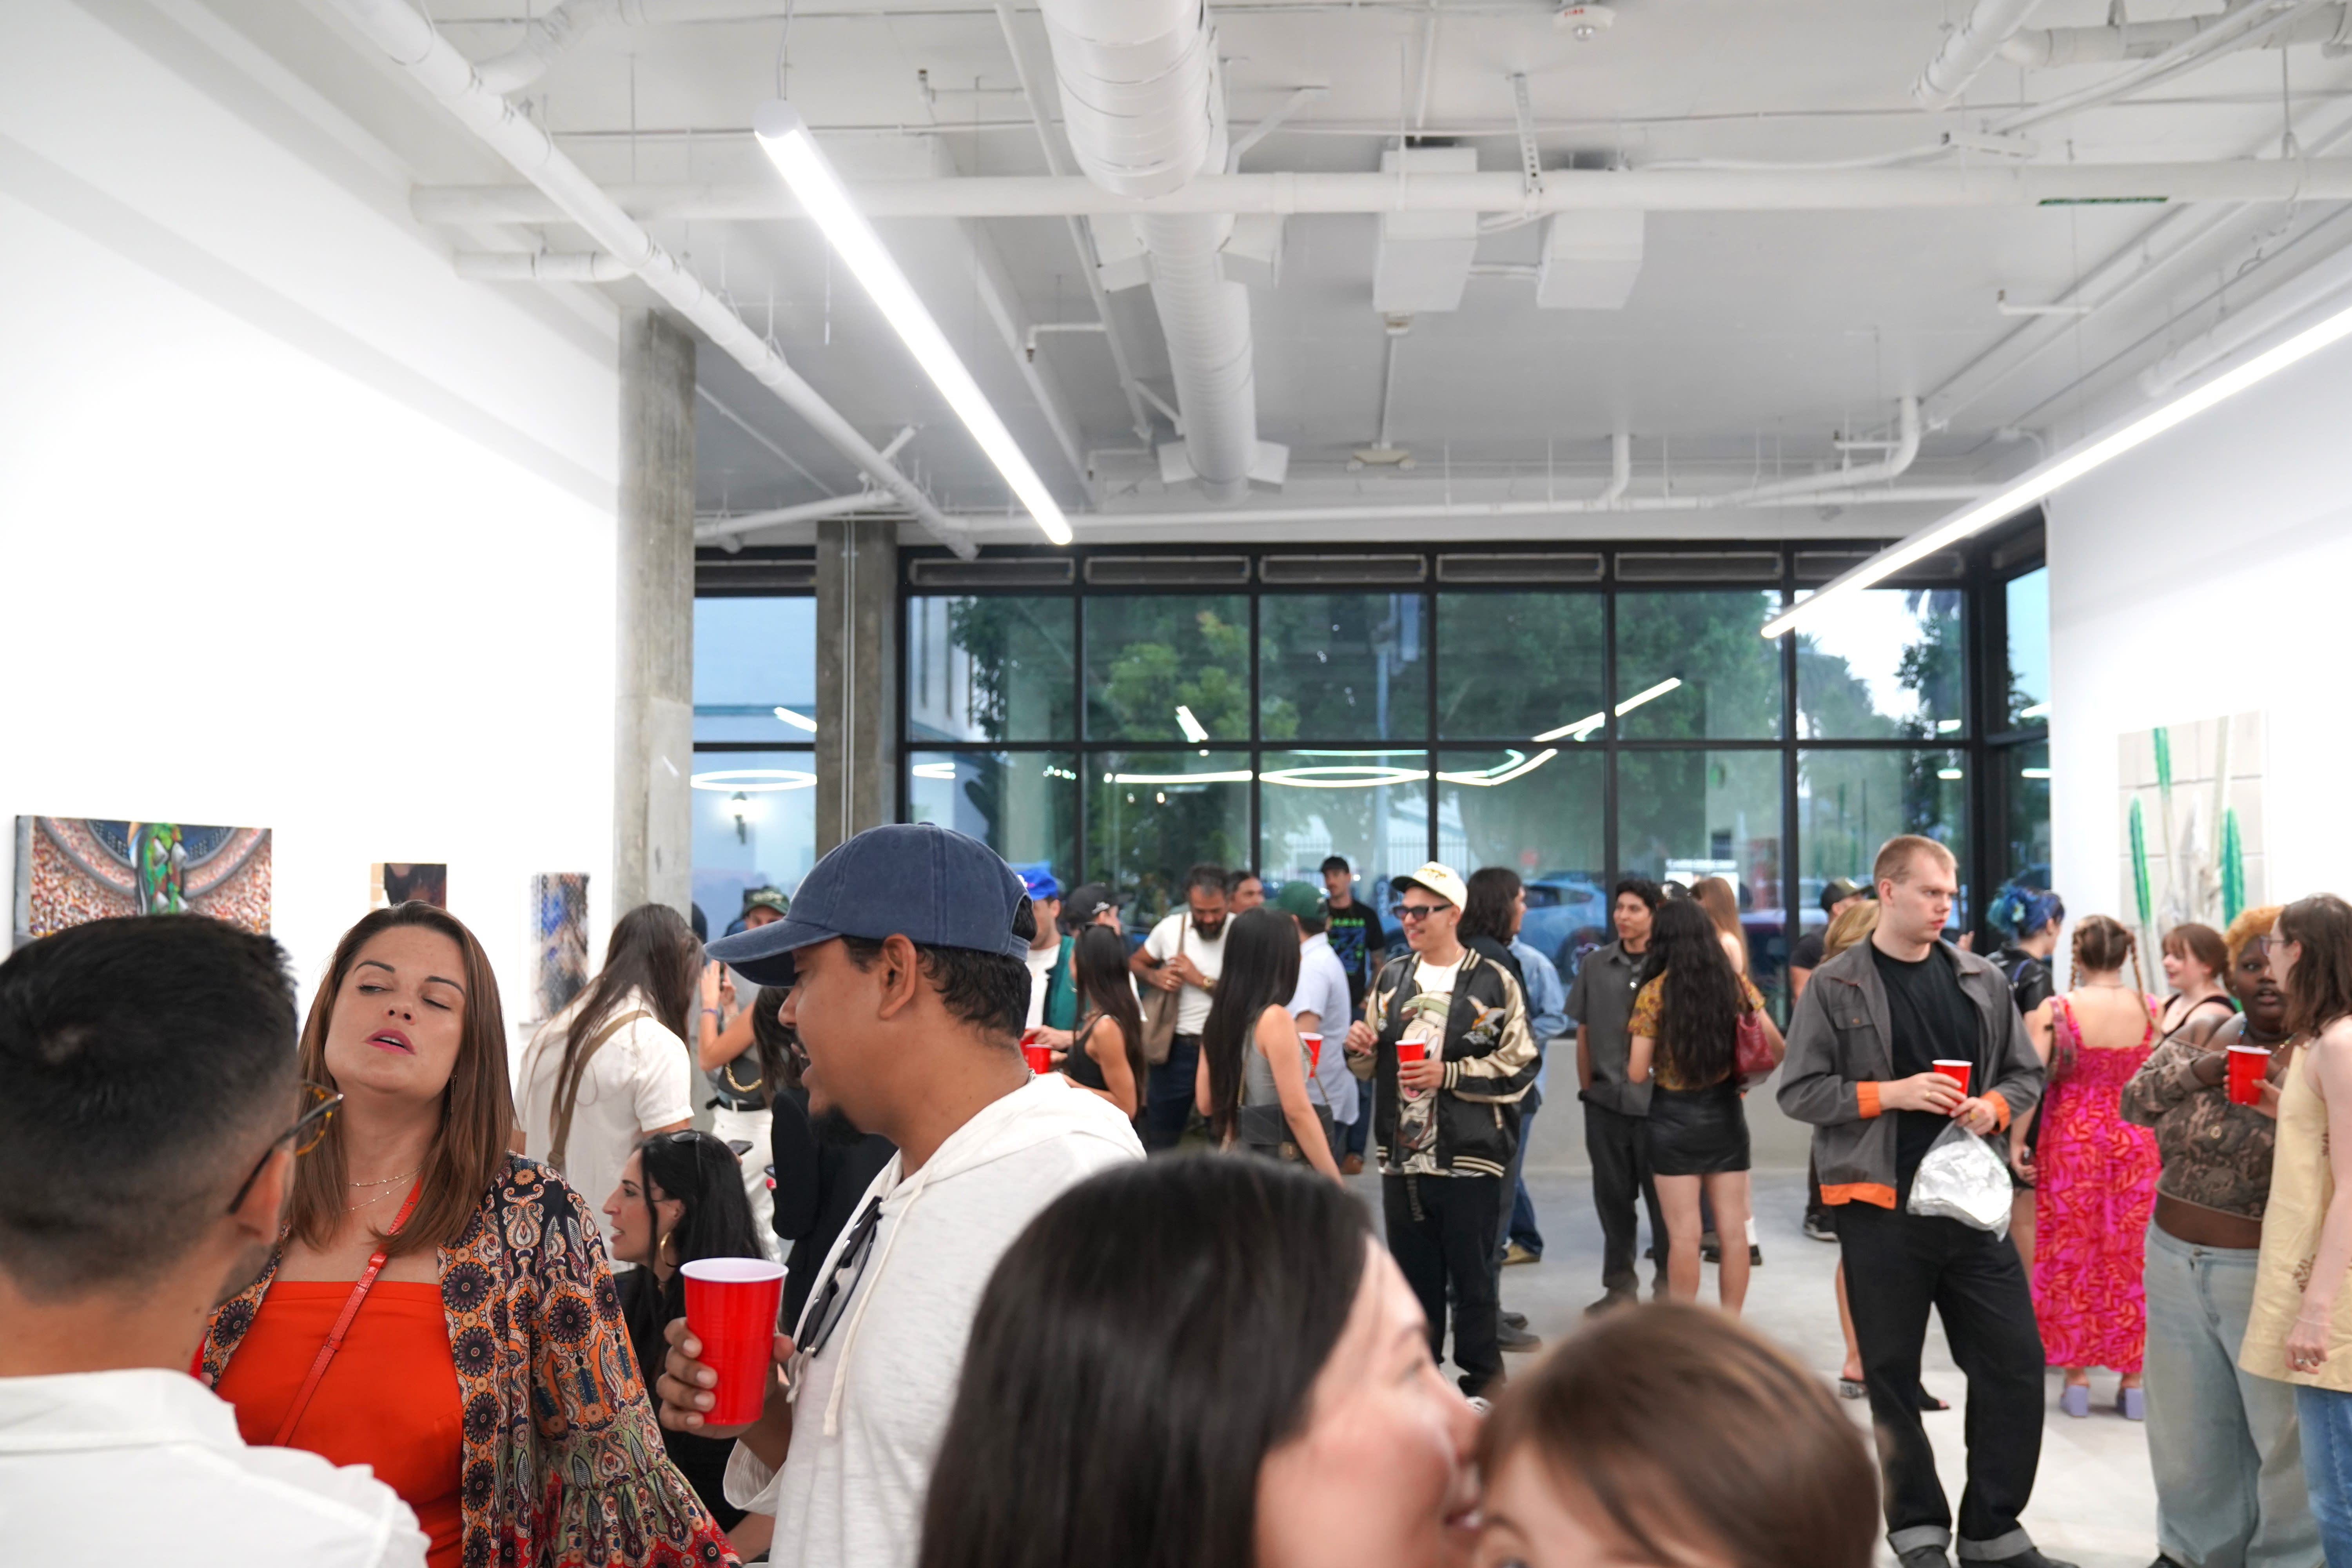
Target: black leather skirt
(1698,1131)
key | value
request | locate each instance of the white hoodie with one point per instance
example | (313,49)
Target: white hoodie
(868,1412)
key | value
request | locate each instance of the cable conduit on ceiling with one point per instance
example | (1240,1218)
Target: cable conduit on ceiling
(1966,49)
(2241,27)
(1441,510)
(413,43)
(2045,48)
(2318,284)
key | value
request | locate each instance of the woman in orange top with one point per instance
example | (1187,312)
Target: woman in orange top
(481,1366)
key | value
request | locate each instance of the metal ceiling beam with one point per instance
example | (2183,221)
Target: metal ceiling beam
(1564,189)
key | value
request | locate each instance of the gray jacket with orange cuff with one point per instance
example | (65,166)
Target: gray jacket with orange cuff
(1841,1050)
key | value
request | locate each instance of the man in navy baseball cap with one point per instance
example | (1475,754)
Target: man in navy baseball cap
(904,949)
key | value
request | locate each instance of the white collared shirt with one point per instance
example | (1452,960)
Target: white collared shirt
(146,1465)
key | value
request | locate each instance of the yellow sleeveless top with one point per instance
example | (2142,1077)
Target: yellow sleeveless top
(2302,1185)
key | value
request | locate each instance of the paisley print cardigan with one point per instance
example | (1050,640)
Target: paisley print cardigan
(562,1464)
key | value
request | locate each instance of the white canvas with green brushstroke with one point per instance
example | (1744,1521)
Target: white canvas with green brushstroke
(2191,824)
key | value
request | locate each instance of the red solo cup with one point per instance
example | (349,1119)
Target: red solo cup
(1314,1051)
(1956,1071)
(1412,1051)
(2249,1065)
(730,1306)
(1041,1057)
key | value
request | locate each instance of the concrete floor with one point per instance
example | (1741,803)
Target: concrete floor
(2095,1504)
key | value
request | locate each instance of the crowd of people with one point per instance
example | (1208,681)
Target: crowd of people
(355,1292)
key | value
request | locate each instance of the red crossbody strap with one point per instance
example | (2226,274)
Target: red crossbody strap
(343,1326)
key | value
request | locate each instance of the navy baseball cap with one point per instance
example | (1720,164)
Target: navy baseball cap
(933,885)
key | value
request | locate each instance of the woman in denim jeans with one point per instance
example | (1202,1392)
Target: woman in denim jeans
(2224,1444)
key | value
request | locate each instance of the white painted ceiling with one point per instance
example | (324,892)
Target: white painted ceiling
(1751,340)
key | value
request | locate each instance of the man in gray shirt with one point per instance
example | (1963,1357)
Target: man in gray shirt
(1616,1131)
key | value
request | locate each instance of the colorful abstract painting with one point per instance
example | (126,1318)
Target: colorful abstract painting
(2192,825)
(70,869)
(558,938)
(393,882)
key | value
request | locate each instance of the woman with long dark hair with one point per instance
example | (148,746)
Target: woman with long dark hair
(1107,1052)
(1200,1363)
(680,1199)
(1685,1033)
(1251,1079)
(2300,1330)
(614,1067)
(486,1378)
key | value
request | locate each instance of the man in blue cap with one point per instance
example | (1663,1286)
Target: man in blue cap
(1053,982)
(904,950)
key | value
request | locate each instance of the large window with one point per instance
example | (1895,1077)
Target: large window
(754,778)
(1574,733)
(2019,769)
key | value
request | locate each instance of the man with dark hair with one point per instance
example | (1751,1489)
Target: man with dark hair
(1863,1041)
(1361,946)
(1244,891)
(1182,957)
(149,1119)
(904,955)
(1615,1108)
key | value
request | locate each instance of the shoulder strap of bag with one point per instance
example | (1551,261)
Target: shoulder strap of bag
(567,1093)
(342,1324)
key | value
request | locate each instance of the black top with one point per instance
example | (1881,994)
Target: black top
(1486,946)
(701,1460)
(1081,1069)
(1932,1017)
(1807,953)
(2029,976)
(823,1167)
(1359,942)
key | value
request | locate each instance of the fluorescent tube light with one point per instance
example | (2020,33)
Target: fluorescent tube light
(933,771)
(1190,725)
(797,720)
(1241,775)
(2054,473)
(785,136)
(1949,773)
(2039,710)
(1592,722)
(2034,773)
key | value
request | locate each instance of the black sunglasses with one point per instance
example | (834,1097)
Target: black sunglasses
(831,1305)
(307,1131)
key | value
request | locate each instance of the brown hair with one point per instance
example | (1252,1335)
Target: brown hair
(1690,1430)
(2250,925)
(1714,895)
(2201,942)
(469,1153)
(2104,943)
(2319,986)
(1894,856)
(1851,924)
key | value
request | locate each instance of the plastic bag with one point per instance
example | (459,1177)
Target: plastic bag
(1962,1178)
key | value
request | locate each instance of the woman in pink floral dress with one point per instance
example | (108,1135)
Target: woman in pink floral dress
(2095,1176)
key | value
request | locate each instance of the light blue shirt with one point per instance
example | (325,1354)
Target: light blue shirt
(1547,1003)
(1323,991)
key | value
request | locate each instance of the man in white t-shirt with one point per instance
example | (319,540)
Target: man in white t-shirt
(1321,1005)
(125,1218)
(904,953)
(1182,955)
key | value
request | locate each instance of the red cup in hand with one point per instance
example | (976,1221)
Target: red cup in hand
(1041,1057)
(730,1306)
(2249,1065)
(1412,1051)
(1956,1071)
(1314,1051)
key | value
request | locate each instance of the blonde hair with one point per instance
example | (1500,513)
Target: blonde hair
(1852,924)
(2250,926)
(1714,895)
(1895,857)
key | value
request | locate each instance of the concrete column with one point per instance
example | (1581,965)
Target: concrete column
(857,677)
(653,730)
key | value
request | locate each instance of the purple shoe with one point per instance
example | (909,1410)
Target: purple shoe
(2075,1399)
(2132,1404)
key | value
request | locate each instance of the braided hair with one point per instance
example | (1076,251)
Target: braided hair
(2103,943)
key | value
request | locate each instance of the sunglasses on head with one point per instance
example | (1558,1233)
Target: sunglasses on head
(308,1130)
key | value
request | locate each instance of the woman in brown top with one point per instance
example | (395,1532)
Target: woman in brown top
(2224,1444)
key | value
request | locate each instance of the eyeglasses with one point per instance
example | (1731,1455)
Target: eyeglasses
(831,1304)
(307,1131)
(1419,911)
(2272,941)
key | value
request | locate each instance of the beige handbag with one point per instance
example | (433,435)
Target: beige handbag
(1159,1012)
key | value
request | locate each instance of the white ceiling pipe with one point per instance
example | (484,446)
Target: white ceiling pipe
(541,265)
(547,36)
(1564,189)
(1407,511)
(1966,49)
(2319,284)
(1891,467)
(2040,49)
(1144,109)
(2242,26)
(717,530)
(1620,469)
(412,42)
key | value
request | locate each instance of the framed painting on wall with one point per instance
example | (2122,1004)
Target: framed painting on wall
(2192,825)
(558,941)
(70,869)
(393,882)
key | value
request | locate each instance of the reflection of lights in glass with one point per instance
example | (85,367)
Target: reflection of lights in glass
(933,770)
(1516,765)
(1583,728)
(1241,775)
(759,781)
(746,811)
(2039,710)
(1055,772)
(1946,726)
(1190,725)
(2034,773)
(797,720)
(1358,776)
(1949,773)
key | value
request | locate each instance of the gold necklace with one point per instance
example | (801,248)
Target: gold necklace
(366,1203)
(388,1180)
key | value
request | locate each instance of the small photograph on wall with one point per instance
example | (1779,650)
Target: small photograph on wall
(2193,826)
(558,938)
(396,882)
(70,869)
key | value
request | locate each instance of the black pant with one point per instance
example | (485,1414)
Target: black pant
(1618,1148)
(1897,1265)
(1168,1101)
(1440,1232)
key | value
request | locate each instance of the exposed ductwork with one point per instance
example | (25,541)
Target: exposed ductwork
(413,44)
(2039,49)
(1967,49)
(1143,105)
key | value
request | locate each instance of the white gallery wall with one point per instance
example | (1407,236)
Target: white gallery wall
(297,531)
(2210,572)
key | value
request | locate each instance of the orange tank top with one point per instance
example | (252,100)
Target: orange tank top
(389,1401)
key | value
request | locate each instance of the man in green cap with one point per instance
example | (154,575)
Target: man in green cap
(1321,1006)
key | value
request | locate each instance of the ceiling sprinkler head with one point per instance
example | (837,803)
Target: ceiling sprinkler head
(1585,23)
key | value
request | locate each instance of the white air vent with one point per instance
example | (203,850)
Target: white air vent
(1168,571)
(1591,261)
(1518,566)
(1423,260)
(993,572)
(1699,566)
(1319,571)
